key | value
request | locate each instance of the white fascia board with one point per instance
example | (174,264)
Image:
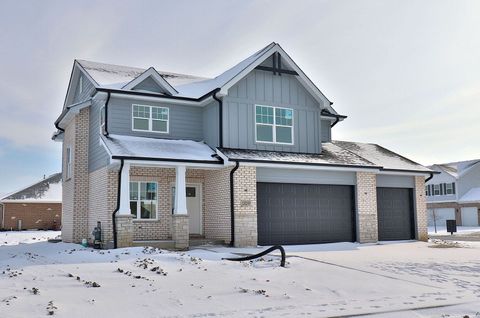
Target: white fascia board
(161,99)
(307,83)
(31,201)
(170,164)
(72,111)
(151,72)
(444,201)
(406,173)
(305,167)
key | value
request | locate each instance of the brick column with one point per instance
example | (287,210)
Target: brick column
(420,209)
(124,230)
(366,199)
(245,203)
(180,231)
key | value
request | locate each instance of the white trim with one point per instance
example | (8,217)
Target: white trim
(406,173)
(151,72)
(150,119)
(161,99)
(306,167)
(180,191)
(138,218)
(73,110)
(274,126)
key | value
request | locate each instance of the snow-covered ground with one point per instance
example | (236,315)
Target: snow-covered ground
(442,230)
(393,280)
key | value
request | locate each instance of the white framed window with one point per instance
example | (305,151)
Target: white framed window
(102,120)
(150,118)
(273,125)
(449,188)
(436,189)
(143,200)
(68,163)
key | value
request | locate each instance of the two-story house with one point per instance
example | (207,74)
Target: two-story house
(245,158)
(454,193)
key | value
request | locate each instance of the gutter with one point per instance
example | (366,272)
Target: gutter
(336,116)
(114,223)
(220,117)
(429,178)
(303,163)
(139,93)
(167,159)
(232,205)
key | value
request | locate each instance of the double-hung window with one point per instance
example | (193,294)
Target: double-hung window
(449,188)
(274,124)
(143,200)
(150,118)
(436,189)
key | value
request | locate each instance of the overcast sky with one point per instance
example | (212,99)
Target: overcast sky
(407,73)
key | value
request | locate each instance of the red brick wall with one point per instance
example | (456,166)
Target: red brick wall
(44,216)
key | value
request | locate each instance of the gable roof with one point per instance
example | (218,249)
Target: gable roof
(117,77)
(45,190)
(457,169)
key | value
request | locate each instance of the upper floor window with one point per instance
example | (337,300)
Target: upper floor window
(150,118)
(68,163)
(449,188)
(143,200)
(436,189)
(274,124)
(440,189)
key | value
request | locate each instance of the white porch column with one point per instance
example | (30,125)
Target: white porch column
(125,191)
(180,192)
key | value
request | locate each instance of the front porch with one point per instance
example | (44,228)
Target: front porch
(153,212)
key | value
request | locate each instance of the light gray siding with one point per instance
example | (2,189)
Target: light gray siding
(301,176)
(443,177)
(326,131)
(393,181)
(185,122)
(210,124)
(98,156)
(85,91)
(149,85)
(264,88)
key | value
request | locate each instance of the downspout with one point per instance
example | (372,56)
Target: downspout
(337,119)
(429,178)
(106,114)
(232,205)
(220,117)
(114,223)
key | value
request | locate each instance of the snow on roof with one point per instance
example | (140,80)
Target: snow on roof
(117,76)
(380,156)
(201,88)
(330,155)
(473,195)
(457,168)
(45,190)
(143,147)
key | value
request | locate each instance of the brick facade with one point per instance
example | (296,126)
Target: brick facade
(124,225)
(75,189)
(366,200)
(421,219)
(217,215)
(33,216)
(245,204)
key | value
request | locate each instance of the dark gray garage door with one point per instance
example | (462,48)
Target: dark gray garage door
(304,213)
(395,214)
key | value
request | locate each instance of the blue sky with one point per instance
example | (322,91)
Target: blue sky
(407,73)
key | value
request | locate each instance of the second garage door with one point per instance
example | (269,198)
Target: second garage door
(304,213)
(395,214)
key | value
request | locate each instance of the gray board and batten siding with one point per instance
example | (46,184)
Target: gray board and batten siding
(264,88)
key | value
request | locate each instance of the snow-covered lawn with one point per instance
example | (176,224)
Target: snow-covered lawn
(396,279)
(442,230)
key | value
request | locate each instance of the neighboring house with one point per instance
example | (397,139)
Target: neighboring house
(454,193)
(38,206)
(245,158)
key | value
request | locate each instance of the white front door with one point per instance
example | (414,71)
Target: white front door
(194,207)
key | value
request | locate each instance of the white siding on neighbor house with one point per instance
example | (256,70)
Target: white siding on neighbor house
(469,180)
(264,88)
(439,216)
(443,177)
(469,216)
(280,175)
